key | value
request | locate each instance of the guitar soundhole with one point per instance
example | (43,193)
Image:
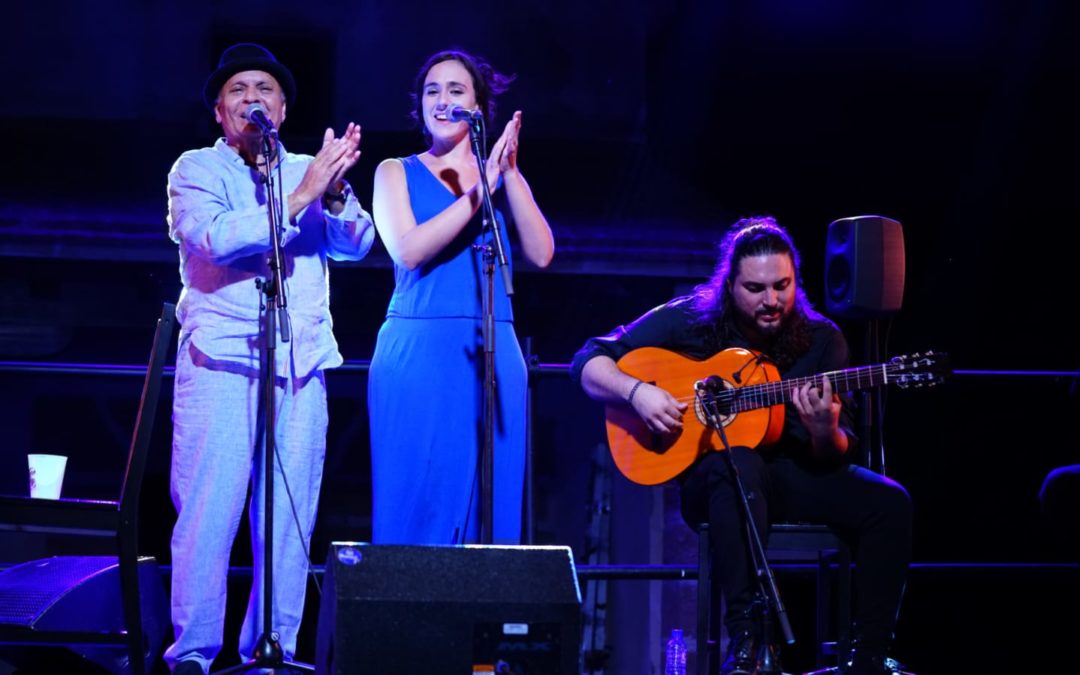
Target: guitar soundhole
(699,410)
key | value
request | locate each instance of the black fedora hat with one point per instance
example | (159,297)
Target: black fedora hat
(247,56)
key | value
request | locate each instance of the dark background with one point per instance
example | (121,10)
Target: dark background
(648,128)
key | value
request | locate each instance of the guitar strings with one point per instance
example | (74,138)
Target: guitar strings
(766,394)
(777,391)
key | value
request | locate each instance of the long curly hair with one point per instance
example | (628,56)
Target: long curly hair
(487,82)
(712,301)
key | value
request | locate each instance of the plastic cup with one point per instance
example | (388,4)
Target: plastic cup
(46,475)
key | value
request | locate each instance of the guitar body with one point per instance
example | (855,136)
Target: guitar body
(747,392)
(649,458)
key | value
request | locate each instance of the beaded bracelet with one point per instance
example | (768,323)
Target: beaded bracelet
(633,390)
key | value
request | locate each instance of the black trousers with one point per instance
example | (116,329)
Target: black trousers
(869,511)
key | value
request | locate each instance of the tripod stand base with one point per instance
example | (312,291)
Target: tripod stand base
(282,668)
(892,667)
(269,657)
(758,671)
(836,669)
(768,661)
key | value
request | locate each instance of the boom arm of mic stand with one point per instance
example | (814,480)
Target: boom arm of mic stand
(765,572)
(475,127)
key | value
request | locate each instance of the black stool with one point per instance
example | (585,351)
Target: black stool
(811,542)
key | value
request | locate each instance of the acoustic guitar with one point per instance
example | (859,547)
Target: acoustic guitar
(749,396)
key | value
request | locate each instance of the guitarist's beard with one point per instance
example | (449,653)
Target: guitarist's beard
(784,345)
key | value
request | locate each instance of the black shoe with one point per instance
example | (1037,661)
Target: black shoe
(741,654)
(866,662)
(188,668)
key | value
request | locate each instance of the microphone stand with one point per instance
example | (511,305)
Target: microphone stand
(490,254)
(768,601)
(268,651)
(872,417)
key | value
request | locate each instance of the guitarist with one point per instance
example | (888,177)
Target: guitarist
(754,300)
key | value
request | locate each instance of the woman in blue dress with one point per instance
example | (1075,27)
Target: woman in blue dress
(425,392)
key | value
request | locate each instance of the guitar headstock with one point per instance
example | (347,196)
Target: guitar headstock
(920,370)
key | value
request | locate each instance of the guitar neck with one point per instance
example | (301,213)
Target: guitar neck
(778,392)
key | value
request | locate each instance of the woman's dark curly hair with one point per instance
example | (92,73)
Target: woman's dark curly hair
(486,81)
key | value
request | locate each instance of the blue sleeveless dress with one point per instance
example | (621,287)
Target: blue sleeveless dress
(426,395)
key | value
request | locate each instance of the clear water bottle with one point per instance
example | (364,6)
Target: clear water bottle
(675,654)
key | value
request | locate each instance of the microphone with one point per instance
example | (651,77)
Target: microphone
(256,114)
(710,385)
(456,113)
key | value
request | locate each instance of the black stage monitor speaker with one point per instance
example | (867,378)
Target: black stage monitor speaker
(46,604)
(864,267)
(389,609)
